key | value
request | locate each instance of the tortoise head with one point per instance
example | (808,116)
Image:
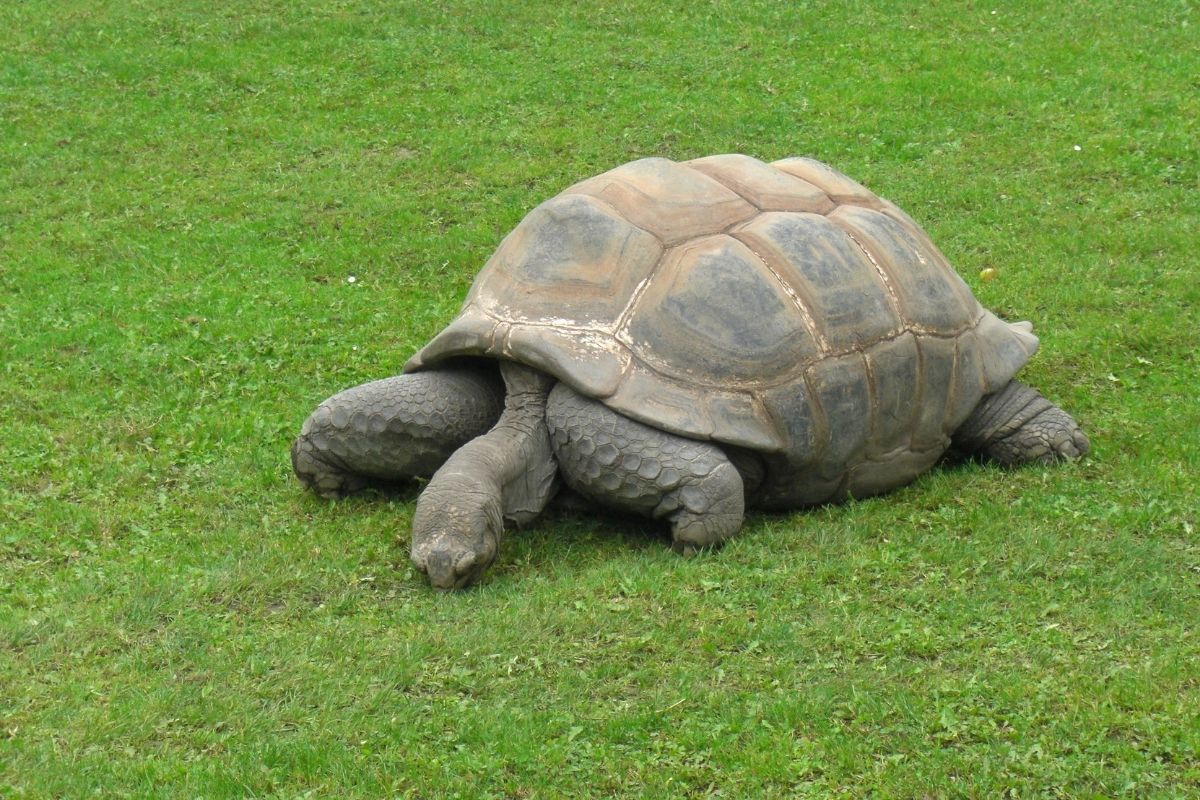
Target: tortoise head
(455,539)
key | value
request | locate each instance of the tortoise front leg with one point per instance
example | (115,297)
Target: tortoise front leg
(623,464)
(394,429)
(1016,425)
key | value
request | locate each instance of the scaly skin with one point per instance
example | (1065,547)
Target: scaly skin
(394,429)
(509,473)
(623,464)
(1016,425)
(407,426)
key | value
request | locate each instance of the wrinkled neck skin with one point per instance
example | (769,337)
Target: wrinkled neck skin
(509,473)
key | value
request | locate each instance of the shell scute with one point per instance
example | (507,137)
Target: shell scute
(925,292)
(936,378)
(847,300)
(843,392)
(594,361)
(876,476)
(840,188)
(968,384)
(799,423)
(1004,348)
(894,367)
(663,402)
(571,250)
(754,329)
(767,188)
(667,199)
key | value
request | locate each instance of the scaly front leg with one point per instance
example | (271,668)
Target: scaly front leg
(623,464)
(394,429)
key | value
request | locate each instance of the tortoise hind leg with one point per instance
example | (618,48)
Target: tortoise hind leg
(623,464)
(394,429)
(1016,425)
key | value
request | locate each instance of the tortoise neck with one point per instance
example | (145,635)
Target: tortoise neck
(512,466)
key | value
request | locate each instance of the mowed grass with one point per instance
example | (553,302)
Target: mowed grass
(186,189)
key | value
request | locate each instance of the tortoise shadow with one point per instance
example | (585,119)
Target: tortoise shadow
(570,521)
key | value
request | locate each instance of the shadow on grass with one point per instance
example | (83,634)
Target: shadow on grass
(574,534)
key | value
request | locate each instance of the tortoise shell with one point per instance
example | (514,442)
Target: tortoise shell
(782,308)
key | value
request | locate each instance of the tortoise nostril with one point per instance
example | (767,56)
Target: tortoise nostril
(440,571)
(464,564)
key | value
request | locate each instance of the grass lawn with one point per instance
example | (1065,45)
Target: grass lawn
(186,189)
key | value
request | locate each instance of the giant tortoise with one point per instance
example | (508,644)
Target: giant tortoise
(684,341)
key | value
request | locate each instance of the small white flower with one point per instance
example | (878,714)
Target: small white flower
(1077,148)
(355,347)
(352,279)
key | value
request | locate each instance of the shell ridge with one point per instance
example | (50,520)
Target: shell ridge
(938,258)
(920,393)
(889,282)
(645,199)
(662,371)
(801,303)
(821,431)
(833,203)
(874,412)
(955,390)
(608,205)
(716,177)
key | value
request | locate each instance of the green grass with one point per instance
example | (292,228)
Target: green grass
(185,188)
